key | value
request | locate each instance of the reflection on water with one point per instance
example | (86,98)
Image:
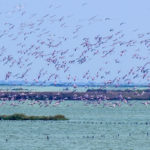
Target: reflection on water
(90,127)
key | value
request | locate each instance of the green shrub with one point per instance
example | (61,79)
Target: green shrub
(24,117)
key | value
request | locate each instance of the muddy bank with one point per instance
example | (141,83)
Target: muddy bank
(88,95)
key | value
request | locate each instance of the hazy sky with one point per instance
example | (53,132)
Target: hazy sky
(64,27)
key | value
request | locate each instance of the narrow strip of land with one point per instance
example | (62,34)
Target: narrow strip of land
(88,95)
(25,117)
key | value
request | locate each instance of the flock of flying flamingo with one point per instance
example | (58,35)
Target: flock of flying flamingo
(49,48)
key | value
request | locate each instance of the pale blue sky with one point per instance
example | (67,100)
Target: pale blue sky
(129,19)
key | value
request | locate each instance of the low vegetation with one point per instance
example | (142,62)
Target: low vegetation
(25,117)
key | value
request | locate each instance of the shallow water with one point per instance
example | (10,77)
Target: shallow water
(59,89)
(90,127)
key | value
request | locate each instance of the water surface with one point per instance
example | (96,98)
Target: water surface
(91,127)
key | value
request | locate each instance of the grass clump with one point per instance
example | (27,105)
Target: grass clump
(25,117)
